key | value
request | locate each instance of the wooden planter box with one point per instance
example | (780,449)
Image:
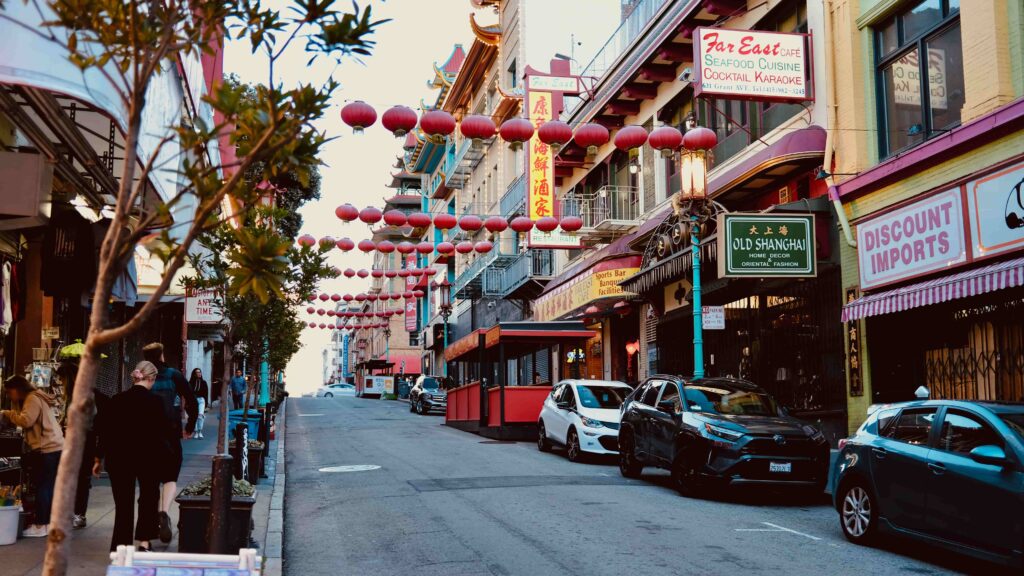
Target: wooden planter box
(194,516)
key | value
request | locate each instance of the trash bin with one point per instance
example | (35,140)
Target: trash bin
(253,423)
(10,517)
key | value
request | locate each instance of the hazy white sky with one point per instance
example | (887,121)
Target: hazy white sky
(358,166)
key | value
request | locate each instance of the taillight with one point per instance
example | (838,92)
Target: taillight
(842,442)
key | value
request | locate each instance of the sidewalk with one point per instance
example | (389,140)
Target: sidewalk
(90,545)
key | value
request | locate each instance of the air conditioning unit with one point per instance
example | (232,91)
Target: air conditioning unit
(26,185)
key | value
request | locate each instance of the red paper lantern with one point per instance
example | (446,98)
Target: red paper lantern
(470,223)
(360,298)
(477,127)
(554,133)
(521,224)
(592,311)
(483,247)
(515,131)
(591,136)
(419,220)
(437,124)
(320,312)
(306,240)
(377,273)
(445,248)
(630,137)
(399,120)
(390,273)
(326,243)
(700,138)
(407,295)
(403,273)
(330,313)
(312,324)
(336,297)
(363,273)
(666,139)
(425,247)
(495,224)
(571,223)
(405,247)
(336,271)
(358,115)
(324,297)
(312,298)
(346,212)
(395,218)
(429,271)
(322,325)
(464,247)
(347,298)
(371,297)
(349,273)
(385,247)
(546,223)
(444,221)
(370,215)
(310,310)
(346,244)
(367,246)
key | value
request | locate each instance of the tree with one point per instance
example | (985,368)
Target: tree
(130,43)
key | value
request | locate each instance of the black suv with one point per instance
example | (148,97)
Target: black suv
(428,394)
(716,432)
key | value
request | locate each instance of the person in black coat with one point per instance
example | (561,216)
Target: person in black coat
(132,433)
(202,393)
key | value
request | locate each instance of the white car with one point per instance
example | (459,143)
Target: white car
(332,390)
(583,416)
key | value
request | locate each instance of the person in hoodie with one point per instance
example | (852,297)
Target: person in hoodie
(45,441)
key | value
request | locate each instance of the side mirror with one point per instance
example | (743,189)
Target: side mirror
(667,406)
(989,454)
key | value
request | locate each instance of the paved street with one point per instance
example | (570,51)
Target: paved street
(448,502)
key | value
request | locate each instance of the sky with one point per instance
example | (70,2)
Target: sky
(358,166)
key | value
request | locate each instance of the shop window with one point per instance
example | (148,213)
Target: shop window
(920,74)
(414,339)
(730,120)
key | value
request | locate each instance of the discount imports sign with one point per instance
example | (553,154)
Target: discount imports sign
(753,65)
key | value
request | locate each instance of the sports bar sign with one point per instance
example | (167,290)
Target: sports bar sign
(766,245)
(753,65)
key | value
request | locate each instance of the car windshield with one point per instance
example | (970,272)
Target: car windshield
(601,396)
(430,383)
(1015,422)
(720,399)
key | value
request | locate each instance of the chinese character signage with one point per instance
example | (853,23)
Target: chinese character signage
(540,169)
(201,307)
(753,65)
(853,349)
(766,245)
(411,321)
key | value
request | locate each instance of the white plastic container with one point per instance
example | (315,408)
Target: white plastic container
(9,520)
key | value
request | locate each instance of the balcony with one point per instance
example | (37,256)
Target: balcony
(459,165)
(514,200)
(607,213)
(525,277)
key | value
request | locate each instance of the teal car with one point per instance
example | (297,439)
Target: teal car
(950,473)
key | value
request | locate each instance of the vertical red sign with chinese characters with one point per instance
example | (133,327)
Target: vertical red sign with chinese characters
(410,303)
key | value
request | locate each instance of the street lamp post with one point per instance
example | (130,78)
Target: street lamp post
(694,209)
(445,308)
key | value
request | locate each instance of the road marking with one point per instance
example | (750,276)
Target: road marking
(307,415)
(777,528)
(351,468)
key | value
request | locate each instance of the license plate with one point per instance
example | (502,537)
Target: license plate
(785,467)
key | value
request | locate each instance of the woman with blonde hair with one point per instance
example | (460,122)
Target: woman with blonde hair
(132,432)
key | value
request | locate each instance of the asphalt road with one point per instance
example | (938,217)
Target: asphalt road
(448,502)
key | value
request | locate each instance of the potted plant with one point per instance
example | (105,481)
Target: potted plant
(194,514)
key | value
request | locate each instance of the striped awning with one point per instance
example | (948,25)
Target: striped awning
(999,276)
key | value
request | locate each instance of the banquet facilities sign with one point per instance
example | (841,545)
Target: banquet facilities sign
(753,65)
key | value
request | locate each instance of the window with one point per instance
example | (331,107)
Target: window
(602,397)
(513,74)
(671,394)
(885,419)
(650,393)
(569,397)
(913,426)
(920,74)
(414,339)
(962,432)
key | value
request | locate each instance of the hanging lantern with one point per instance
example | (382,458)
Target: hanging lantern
(345,244)
(407,295)
(306,241)
(371,297)
(571,223)
(429,271)
(347,298)
(327,243)
(405,247)
(464,247)
(370,215)
(404,273)
(621,308)
(336,297)
(398,120)
(324,297)
(312,298)
(319,311)
(385,247)
(592,311)
(425,247)
(521,224)
(666,139)
(312,324)
(377,273)
(363,273)
(515,131)
(437,124)
(395,218)
(444,221)
(483,247)
(697,144)
(330,313)
(349,273)
(419,219)
(346,212)
(700,138)
(554,133)
(630,137)
(360,298)
(418,293)
(390,273)
(546,223)
(477,127)
(470,223)
(322,325)
(591,136)
(445,248)
(336,271)
(358,115)
(310,310)
(495,224)
(367,246)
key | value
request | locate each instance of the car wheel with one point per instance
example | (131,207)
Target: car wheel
(412,406)
(684,476)
(628,464)
(572,447)
(858,512)
(543,444)
(422,408)
(328,395)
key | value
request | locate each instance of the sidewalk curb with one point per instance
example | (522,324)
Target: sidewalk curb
(273,547)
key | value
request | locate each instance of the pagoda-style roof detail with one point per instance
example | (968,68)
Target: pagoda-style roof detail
(490,35)
(445,74)
(404,200)
(495,4)
(403,177)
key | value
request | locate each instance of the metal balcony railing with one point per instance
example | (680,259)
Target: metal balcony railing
(608,209)
(470,281)
(532,264)
(514,199)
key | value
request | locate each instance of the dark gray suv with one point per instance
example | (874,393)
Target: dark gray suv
(428,393)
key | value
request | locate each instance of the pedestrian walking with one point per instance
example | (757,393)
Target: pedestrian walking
(134,444)
(45,441)
(86,469)
(201,390)
(170,386)
(238,387)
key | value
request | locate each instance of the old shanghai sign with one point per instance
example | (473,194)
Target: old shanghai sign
(753,65)
(766,245)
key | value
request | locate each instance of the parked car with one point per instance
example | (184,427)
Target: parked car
(947,472)
(428,393)
(332,390)
(583,416)
(715,432)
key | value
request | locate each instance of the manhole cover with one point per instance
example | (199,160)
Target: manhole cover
(351,468)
